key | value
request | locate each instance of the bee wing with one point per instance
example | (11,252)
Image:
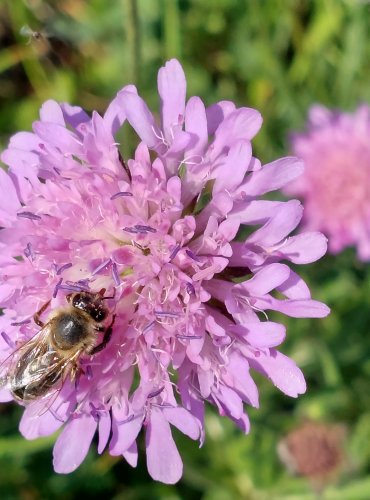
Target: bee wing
(32,349)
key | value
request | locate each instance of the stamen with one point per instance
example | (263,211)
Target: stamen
(28,215)
(89,373)
(148,327)
(121,193)
(101,266)
(56,289)
(192,255)
(19,323)
(73,287)
(175,251)
(131,230)
(28,252)
(8,340)
(139,229)
(63,268)
(155,393)
(166,314)
(206,273)
(115,274)
(189,337)
(190,288)
(148,229)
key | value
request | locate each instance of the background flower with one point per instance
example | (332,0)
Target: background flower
(336,181)
(165,231)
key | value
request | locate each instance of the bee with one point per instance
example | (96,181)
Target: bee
(45,361)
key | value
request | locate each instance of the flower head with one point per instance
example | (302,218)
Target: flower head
(161,234)
(336,182)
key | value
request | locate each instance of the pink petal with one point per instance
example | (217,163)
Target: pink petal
(183,420)
(38,422)
(216,113)
(254,212)
(281,370)
(74,115)
(196,125)
(262,334)
(51,112)
(115,116)
(9,201)
(26,141)
(163,459)
(294,308)
(124,434)
(131,454)
(104,428)
(233,169)
(141,119)
(294,287)
(265,280)
(305,247)
(286,219)
(242,124)
(58,136)
(73,443)
(273,176)
(172,91)
(239,378)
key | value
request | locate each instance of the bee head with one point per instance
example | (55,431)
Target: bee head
(91,303)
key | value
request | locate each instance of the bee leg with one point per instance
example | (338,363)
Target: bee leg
(36,316)
(106,338)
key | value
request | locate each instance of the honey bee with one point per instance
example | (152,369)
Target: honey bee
(45,361)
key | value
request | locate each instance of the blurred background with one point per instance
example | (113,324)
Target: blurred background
(279,56)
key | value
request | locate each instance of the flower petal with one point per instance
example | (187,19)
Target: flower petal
(172,91)
(73,443)
(163,459)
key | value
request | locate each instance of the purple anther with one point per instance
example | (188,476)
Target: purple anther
(115,274)
(145,229)
(89,373)
(189,337)
(175,251)
(28,215)
(192,255)
(20,323)
(8,340)
(57,170)
(72,288)
(155,393)
(121,193)
(148,327)
(63,268)
(56,289)
(79,286)
(28,252)
(190,288)
(101,266)
(166,314)
(131,230)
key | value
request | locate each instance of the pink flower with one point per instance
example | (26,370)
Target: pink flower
(160,232)
(336,183)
